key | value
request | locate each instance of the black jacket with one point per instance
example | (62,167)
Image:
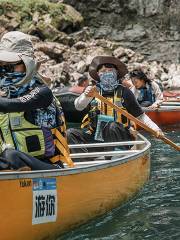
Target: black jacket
(39,97)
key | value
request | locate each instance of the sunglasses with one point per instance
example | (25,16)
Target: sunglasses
(9,67)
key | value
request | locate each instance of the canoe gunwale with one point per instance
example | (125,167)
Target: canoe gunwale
(164,109)
(107,144)
(70,171)
(110,153)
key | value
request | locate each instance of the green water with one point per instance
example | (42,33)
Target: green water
(154,214)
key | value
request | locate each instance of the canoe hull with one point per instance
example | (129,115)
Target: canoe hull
(165,117)
(80,197)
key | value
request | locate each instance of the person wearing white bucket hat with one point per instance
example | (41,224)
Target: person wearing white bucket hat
(32,126)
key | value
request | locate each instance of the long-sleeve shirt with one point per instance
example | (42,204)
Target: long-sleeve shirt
(156,90)
(129,102)
(40,97)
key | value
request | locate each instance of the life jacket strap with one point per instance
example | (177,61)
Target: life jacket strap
(60,137)
(65,157)
(57,158)
(61,144)
(85,124)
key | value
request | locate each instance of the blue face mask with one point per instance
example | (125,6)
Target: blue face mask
(108,81)
(8,81)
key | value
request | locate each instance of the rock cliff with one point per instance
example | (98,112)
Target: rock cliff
(150,27)
(143,34)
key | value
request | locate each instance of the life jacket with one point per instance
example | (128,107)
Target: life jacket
(97,107)
(18,133)
(146,94)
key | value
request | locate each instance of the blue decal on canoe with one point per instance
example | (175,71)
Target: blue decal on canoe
(40,184)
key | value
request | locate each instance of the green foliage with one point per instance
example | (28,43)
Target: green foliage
(30,6)
(42,16)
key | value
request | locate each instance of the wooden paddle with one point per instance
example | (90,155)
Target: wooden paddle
(134,119)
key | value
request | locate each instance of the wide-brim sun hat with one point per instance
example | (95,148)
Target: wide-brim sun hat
(13,44)
(100,60)
(15,47)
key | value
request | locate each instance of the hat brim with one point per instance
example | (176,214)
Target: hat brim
(9,57)
(100,60)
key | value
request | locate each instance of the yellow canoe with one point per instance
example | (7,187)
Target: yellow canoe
(42,205)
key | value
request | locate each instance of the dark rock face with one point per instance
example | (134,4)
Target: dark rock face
(150,27)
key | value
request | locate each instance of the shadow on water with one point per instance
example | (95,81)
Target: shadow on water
(154,213)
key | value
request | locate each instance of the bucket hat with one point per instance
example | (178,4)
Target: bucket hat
(100,60)
(15,47)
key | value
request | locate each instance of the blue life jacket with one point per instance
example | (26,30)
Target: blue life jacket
(146,94)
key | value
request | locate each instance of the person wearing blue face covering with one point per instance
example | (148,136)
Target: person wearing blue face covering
(102,123)
(32,125)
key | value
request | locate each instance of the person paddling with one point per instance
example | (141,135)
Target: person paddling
(32,126)
(102,123)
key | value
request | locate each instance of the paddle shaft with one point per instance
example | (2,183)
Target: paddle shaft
(137,121)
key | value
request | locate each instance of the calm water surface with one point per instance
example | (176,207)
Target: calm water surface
(154,214)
